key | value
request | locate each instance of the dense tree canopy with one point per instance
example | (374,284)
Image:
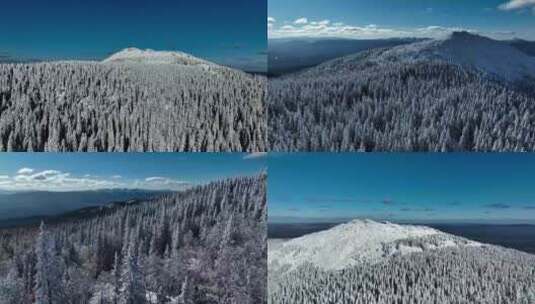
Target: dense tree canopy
(85,106)
(490,275)
(204,245)
(357,104)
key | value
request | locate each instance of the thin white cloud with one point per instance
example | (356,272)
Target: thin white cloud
(158,182)
(165,181)
(117,176)
(4,177)
(54,180)
(271,22)
(255,155)
(517,4)
(25,171)
(155,179)
(327,28)
(288,27)
(301,21)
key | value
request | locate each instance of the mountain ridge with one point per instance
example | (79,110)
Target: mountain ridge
(287,55)
(496,58)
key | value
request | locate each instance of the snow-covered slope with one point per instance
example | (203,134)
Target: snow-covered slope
(497,58)
(357,242)
(155,57)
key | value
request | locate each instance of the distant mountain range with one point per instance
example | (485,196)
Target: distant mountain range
(528,47)
(16,206)
(286,55)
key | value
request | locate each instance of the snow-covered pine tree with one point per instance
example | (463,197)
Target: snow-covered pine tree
(48,276)
(91,106)
(196,220)
(11,287)
(132,278)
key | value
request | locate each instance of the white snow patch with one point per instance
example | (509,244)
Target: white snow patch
(404,249)
(152,298)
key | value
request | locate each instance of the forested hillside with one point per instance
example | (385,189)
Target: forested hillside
(203,245)
(130,106)
(416,97)
(367,262)
(487,275)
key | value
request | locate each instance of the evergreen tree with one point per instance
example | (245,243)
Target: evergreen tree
(48,277)
(132,284)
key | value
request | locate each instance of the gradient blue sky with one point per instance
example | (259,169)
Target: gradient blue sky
(86,171)
(231,32)
(491,188)
(389,18)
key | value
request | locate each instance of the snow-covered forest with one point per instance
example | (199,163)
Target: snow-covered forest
(463,275)
(367,262)
(408,99)
(130,106)
(203,245)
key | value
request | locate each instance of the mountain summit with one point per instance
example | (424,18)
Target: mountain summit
(493,57)
(358,242)
(155,57)
(375,263)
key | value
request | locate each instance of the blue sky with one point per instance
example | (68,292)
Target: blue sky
(495,188)
(502,19)
(231,32)
(88,171)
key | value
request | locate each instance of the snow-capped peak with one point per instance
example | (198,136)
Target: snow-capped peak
(493,57)
(356,242)
(155,57)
